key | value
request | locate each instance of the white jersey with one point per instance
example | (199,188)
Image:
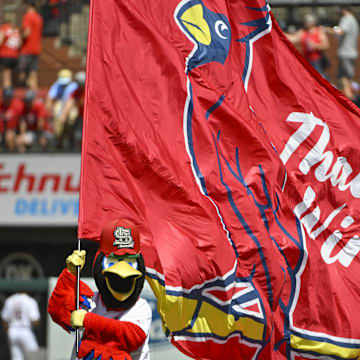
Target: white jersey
(20,310)
(139,314)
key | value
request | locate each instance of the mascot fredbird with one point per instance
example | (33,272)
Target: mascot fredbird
(115,321)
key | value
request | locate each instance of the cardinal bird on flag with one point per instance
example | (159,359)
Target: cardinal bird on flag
(238,163)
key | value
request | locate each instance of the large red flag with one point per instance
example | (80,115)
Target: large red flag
(239,164)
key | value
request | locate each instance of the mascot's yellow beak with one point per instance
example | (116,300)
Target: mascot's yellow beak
(125,271)
(193,19)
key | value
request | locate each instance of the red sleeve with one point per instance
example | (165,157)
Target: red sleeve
(40,109)
(19,108)
(12,120)
(14,113)
(63,298)
(26,22)
(109,337)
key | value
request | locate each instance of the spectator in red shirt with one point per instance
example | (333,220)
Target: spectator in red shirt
(32,25)
(313,42)
(76,100)
(10,42)
(33,127)
(10,111)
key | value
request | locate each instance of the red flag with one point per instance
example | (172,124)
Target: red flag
(238,162)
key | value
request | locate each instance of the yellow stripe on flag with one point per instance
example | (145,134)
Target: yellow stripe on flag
(323,348)
(176,312)
(215,321)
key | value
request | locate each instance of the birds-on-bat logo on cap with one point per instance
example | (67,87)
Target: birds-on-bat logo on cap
(123,238)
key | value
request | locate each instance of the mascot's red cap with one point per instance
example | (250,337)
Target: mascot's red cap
(120,237)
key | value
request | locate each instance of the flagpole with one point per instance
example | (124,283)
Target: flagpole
(78,268)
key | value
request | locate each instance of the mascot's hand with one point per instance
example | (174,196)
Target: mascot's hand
(77,258)
(77,318)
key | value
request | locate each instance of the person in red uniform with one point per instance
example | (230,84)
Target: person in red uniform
(33,127)
(10,43)
(313,42)
(10,111)
(32,25)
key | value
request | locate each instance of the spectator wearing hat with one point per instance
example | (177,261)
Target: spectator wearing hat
(33,127)
(56,96)
(70,120)
(32,25)
(10,111)
(10,43)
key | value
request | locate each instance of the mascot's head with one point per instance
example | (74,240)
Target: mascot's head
(119,269)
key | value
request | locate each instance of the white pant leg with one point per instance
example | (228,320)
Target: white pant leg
(29,341)
(16,352)
(21,340)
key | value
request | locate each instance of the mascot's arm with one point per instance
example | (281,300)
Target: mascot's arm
(109,337)
(63,300)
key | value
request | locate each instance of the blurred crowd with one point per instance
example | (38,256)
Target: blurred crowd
(20,47)
(313,42)
(54,122)
(30,121)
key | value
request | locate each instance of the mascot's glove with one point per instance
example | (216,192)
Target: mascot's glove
(77,318)
(77,258)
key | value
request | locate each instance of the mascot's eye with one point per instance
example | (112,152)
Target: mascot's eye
(221,29)
(107,262)
(110,261)
(132,262)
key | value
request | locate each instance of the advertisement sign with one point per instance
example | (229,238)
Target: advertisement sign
(39,189)
(60,343)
